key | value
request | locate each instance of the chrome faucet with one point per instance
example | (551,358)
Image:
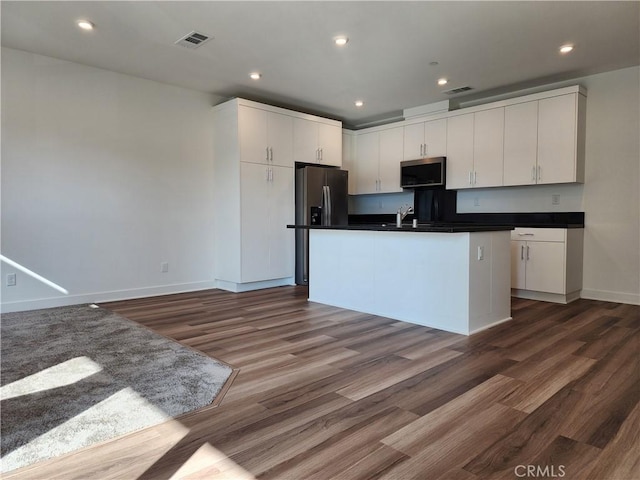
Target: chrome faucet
(401,214)
(406,212)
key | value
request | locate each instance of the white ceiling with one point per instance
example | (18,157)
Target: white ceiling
(494,47)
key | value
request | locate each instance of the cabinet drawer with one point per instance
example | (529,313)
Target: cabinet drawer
(539,234)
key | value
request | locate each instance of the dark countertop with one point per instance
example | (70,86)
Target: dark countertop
(391,227)
(531,220)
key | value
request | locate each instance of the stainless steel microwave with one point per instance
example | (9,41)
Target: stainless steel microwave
(425,172)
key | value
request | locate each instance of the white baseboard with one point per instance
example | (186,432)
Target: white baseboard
(250,286)
(100,297)
(616,297)
(494,324)
(545,297)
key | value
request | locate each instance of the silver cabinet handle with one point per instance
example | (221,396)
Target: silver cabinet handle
(266,173)
(527,252)
(526,234)
(475,177)
(422,149)
(533,173)
(470,172)
(539,173)
(271,154)
(379,185)
(522,252)
(271,174)
(426,150)
(267,154)
(321,154)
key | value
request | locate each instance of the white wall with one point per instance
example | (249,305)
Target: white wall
(104,176)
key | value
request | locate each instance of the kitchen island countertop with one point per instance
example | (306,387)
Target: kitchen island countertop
(391,227)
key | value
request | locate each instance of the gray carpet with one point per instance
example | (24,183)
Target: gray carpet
(75,376)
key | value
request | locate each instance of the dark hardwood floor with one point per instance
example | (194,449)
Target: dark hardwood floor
(325,393)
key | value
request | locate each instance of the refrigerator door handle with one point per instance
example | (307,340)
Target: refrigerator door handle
(329,208)
(326,205)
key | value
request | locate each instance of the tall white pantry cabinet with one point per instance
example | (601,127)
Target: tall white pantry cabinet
(254,197)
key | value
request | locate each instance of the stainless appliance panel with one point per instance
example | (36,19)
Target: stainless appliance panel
(321,199)
(425,172)
(338,183)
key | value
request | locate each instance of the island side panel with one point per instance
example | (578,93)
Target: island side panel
(341,269)
(489,279)
(422,278)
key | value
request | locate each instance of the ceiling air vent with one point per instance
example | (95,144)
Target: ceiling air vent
(193,40)
(453,91)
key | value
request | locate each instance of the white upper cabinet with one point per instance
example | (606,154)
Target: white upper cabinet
(348,160)
(317,142)
(488,147)
(265,137)
(544,141)
(391,142)
(330,144)
(475,149)
(425,139)
(378,156)
(520,143)
(367,155)
(535,139)
(559,126)
(460,151)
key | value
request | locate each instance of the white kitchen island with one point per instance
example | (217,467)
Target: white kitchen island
(453,279)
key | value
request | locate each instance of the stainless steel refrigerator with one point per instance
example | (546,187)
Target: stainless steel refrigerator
(321,199)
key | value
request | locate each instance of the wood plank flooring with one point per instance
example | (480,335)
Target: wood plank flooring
(324,393)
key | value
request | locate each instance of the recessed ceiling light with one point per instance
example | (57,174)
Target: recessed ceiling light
(255,76)
(85,24)
(442,81)
(566,48)
(341,41)
(359,103)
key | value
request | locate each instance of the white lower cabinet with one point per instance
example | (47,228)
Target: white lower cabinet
(546,263)
(267,200)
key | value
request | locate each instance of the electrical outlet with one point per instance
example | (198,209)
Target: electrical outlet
(476,202)
(480,253)
(164,267)
(555,199)
(11,280)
